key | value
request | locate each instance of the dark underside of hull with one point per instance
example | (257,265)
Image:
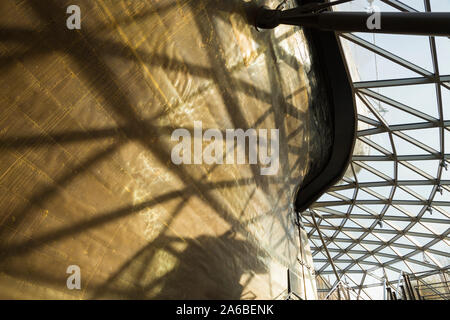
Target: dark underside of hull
(334,84)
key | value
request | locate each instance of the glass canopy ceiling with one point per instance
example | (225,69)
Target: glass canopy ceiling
(391,211)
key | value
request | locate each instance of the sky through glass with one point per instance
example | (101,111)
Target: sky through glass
(390,213)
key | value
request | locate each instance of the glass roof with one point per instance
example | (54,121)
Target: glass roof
(391,211)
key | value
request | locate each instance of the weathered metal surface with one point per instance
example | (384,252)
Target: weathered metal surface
(86,176)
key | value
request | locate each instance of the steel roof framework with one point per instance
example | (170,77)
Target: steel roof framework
(361,239)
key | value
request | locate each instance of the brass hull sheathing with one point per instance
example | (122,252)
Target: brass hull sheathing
(86,176)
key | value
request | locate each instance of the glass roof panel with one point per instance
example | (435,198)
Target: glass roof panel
(407,230)
(443,47)
(413,48)
(412,96)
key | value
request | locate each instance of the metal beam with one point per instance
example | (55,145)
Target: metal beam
(403,127)
(386,201)
(401,82)
(414,23)
(414,157)
(391,182)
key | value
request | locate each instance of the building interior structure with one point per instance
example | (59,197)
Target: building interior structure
(358,207)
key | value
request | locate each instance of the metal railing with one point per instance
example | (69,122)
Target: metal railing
(432,285)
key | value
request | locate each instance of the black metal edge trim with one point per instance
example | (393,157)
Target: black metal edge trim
(342,100)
